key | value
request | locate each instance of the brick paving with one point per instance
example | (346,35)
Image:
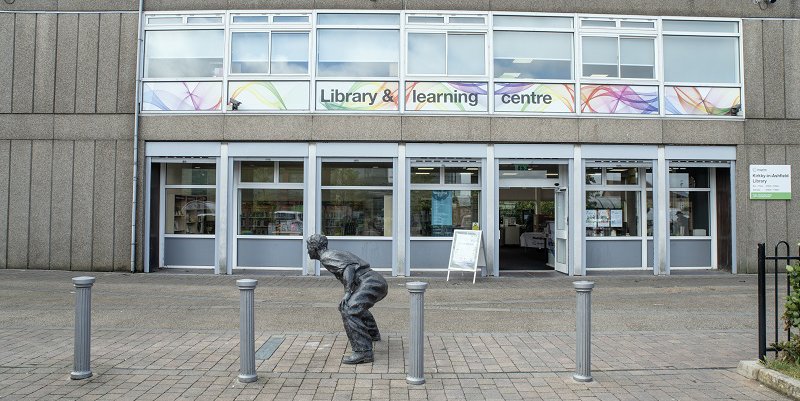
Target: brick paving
(158,363)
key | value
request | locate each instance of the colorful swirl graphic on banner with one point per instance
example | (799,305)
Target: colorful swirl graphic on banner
(619,99)
(182,96)
(691,100)
(277,95)
(531,97)
(385,93)
(447,96)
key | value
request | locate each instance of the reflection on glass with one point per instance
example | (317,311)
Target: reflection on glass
(289,53)
(532,22)
(438,213)
(426,175)
(701,26)
(289,18)
(650,212)
(250,19)
(612,213)
(190,211)
(290,172)
(461,175)
(357,212)
(183,53)
(426,53)
(466,55)
(358,52)
(622,176)
(689,213)
(358,19)
(191,174)
(271,212)
(637,57)
(688,177)
(357,173)
(249,52)
(594,175)
(514,57)
(257,171)
(600,57)
(713,60)
(204,20)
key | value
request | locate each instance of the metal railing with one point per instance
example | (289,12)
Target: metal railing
(787,258)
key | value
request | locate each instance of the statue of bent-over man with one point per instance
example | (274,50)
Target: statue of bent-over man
(363,288)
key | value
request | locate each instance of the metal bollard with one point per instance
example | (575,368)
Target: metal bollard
(247,335)
(583,328)
(83,328)
(416,335)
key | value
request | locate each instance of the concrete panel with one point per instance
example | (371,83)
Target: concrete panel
(792,207)
(472,5)
(356,128)
(375,5)
(126,76)
(24,47)
(88,126)
(19,197)
(6,62)
(703,132)
(123,200)
(753,57)
(61,205)
(604,130)
(45,74)
(267,128)
(776,210)
(86,84)
(171,5)
(762,132)
(66,62)
(26,126)
(28,5)
(108,63)
(82,205)
(5,157)
(756,223)
(791,42)
(774,91)
(105,5)
(521,129)
(444,129)
(41,187)
(103,221)
(270,4)
(742,210)
(181,128)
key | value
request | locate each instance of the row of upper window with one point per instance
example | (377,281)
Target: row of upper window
(369,46)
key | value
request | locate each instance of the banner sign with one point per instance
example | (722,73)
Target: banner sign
(358,96)
(447,96)
(442,208)
(619,99)
(692,100)
(770,182)
(534,98)
(182,96)
(270,96)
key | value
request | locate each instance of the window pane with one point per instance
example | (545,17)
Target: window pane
(637,24)
(650,213)
(290,172)
(357,174)
(426,53)
(467,20)
(438,213)
(271,212)
(701,26)
(258,172)
(249,52)
(358,53)
(289,53)
(612,213)
(426,175)
(416,19)
(358,19)
(177,54)
(250,19)
(461,175)
(357,212)
(190,211)
(165,20)
(289,18)
(637,58)
(688,177)
(594,175)
(532,22)
(598,24)
(622,176)
(600,57)
(204,20)
(191,174)
(514,57)
(701,59)
(465,55)
(689,214)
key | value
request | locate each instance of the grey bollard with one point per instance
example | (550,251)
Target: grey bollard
(583,331)
(247,331)
(83,328)
(416,335)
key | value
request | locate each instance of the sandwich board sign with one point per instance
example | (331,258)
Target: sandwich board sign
(466,252)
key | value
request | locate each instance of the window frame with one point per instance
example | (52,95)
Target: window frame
(710,190)
(164,187)
(275,185)
(447,29)
(573,43)
(442,186)
(269,75)
(603,186)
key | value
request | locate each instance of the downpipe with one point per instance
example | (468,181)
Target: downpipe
(135,203)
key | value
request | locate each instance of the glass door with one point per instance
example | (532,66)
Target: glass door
(561,231)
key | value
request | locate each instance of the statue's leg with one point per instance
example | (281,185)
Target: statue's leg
(372,325)
(357,331)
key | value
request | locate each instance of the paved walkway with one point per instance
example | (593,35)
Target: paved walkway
(139,355)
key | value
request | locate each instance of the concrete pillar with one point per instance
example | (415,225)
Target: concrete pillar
(247,336)
(416,335)
(583,331)
(83,328)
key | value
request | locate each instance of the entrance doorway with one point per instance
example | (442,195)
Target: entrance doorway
(532,217)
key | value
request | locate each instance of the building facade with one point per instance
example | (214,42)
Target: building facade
(577,137)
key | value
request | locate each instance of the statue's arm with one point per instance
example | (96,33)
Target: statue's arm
(350,278)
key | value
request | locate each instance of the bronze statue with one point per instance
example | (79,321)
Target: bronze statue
(363,288)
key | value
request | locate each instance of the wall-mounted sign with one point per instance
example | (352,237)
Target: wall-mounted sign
(770,182)
(523,97)
(447,96)
(270,95)
(357,96)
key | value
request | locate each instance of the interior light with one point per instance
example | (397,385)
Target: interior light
(421,173)
(522,60)
(510,75)
(552,174)
(472,168)
(598,76)
(424,168)
(509,173)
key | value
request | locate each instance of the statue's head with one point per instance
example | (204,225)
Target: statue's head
(316,244)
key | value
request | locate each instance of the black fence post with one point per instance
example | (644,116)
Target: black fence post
(762,302)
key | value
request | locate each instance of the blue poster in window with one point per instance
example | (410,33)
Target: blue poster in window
(441,208)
